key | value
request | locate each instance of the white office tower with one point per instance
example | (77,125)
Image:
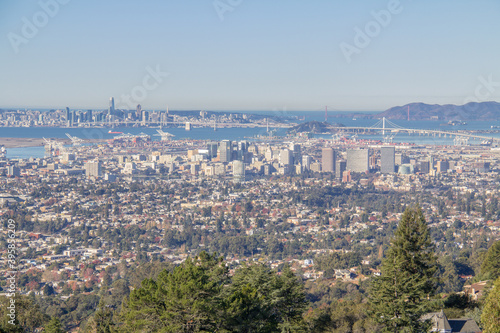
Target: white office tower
(286,157)
(358,159)
(238,171)
(93,169)
(269,154)
(306,162)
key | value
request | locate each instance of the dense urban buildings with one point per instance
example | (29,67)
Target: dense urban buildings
(95,217)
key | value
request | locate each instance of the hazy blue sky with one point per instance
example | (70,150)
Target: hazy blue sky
(249,54)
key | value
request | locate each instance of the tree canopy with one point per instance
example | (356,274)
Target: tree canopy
(490,318)
(199,296)
(398,298)
(490,268)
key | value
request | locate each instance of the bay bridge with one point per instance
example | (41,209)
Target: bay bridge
(390,129)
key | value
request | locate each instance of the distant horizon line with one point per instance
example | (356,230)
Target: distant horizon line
(184,110)
(238,110)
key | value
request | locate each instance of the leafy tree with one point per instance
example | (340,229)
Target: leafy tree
(398,297)
(490,268)
(490,317)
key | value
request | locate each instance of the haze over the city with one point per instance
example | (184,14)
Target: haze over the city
(248,55)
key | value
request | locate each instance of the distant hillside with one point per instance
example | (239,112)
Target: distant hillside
(314,127)
(422,111)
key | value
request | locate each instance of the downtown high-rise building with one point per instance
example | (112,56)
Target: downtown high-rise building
(111,109)
(286,157)
(328,160)
(424,167)
(295,149)
(241,150)
(88,115)
(238,171)
(358,159)
(306,162)
(340,167)
(93,169)
(138,112)
(225,149)
(212,148)
(387,159)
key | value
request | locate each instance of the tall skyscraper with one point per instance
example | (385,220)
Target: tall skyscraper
(241,150)
(225,149)
(442,166)
(111,109)
(387,159)
(93,169)
(286,157)
(295,148)
(212,149)
(306,162)
(268,154)
(238,171)
(13,170)
(138,112)
(424,167)
(328,160)
(357,160)
(340,167)
(68,114)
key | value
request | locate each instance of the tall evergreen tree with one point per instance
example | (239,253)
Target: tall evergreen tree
(399,297)
(490,318)
(101,321)
(490,268)
(54,326)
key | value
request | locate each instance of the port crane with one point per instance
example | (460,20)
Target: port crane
(74,140)
(164,135)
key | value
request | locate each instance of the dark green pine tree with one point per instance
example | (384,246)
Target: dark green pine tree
(490,317)
(54,326)
(490,268)
(101,321)
(185,300)
(399,297)
(258,300)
